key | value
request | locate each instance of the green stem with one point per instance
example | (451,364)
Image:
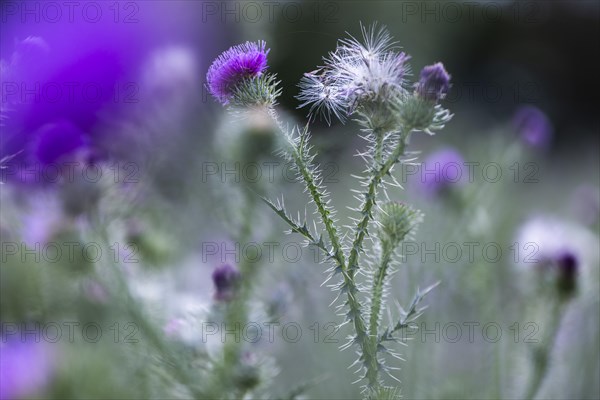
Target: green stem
(136,313)
(236,311)
(324,212)
(368,344)
(315,192)
(376,302)
(369,202)
(379,136)
(541,353)
(377,292)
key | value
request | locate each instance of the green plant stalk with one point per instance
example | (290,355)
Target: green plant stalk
(379,136)
(376,303)
(324,212)
(369,352)
(366,342)
(236,311)
(377,291)
(355,315)
(135,311)
(542,353)
(310,182)
(349,286)
(370,198)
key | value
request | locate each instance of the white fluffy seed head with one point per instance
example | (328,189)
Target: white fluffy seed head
(356,73)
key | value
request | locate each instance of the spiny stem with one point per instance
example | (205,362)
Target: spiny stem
(369,202)
(323,212)
(377,292)
(369,357)
(376,302)
(379,136)
(310,182)
(368,344)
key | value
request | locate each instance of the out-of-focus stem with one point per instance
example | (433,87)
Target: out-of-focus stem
(135,311)
(541,353)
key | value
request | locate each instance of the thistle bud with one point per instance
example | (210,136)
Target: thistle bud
(567,265)
(421,110)
(434,83)
(226,280)
(396,221)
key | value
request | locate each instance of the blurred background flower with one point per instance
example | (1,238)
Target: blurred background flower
(27,365)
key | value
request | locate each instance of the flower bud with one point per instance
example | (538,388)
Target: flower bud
(396,221)
(434,83)
(567,265)
(226,280)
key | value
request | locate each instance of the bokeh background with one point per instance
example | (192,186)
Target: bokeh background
(118,87)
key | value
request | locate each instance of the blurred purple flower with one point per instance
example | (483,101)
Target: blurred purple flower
(441,171)
(559,249)
(26,366)
(434,82)
(533,126)
(225,279)
(88,69)
(56,140)
(242,61)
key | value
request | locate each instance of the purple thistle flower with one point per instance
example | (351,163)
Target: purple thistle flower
(26,366)
(533,126)
(440,171)
(434,82)
(240,62)
(225,279)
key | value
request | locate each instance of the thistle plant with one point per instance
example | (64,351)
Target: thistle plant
(364,81)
